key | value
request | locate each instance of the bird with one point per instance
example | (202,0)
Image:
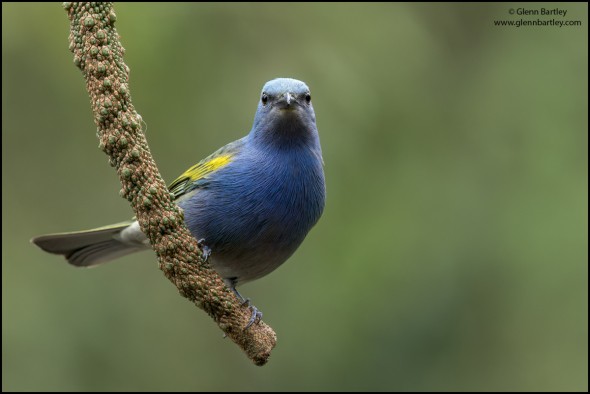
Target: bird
(250,204)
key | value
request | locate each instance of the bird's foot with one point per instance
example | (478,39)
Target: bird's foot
(206,250)
(256,314)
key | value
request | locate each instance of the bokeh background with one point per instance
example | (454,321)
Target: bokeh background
(452,254)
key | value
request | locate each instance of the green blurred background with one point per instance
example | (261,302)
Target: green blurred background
(452,254)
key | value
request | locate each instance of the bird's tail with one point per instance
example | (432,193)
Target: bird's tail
(89,247)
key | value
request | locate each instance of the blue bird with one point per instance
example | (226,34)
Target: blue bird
(250,204)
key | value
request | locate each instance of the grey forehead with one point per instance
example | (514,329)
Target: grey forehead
(284,85)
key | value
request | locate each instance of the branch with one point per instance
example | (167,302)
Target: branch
(99,54)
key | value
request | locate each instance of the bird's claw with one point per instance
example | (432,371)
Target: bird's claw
(256,314)
(206,250)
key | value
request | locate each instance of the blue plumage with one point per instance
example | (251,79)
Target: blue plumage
(254,212)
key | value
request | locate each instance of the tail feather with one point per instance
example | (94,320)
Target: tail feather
(90,247)
(101,252)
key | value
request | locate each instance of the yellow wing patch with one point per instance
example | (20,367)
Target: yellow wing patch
(202,169)
(198,171)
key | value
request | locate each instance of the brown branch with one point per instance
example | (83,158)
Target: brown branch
(99,54)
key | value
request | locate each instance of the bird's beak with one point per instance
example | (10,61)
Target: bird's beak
(287,101)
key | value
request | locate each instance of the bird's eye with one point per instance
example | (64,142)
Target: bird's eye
(264,98)
(308,98)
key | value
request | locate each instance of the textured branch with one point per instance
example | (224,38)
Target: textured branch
(99,54)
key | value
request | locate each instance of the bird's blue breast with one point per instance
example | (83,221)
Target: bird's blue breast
(256,211)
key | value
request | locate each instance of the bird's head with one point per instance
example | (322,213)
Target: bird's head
(285,112)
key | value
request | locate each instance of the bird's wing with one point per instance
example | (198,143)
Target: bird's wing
(194,176)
